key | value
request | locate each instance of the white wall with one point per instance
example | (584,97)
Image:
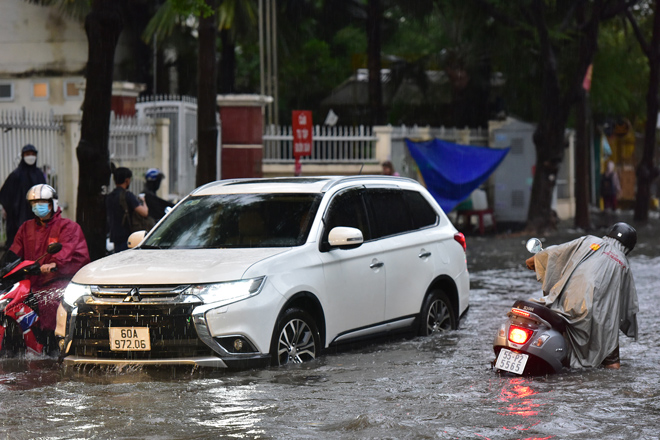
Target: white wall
(37,39)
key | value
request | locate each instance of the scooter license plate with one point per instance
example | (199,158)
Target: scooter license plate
(507,360)
(129,339)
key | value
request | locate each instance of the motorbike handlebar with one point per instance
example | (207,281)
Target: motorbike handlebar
(33,269)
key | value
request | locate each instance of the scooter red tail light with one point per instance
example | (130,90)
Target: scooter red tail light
(519,335)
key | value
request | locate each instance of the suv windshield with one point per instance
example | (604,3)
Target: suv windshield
(237,221)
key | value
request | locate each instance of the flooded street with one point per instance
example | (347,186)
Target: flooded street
(441,387)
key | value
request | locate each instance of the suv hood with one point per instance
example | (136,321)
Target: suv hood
(176,266)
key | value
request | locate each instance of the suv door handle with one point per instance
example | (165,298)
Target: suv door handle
(424,255)
(377,265)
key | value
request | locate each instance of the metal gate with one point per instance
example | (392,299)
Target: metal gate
(182,113)
(41,129)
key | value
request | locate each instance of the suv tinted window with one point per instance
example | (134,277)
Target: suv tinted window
(390,212)
(347,209)
(422,213)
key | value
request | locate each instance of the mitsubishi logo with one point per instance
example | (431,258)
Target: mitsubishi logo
(133,296)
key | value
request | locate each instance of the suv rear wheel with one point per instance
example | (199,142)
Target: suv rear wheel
(296,338)
(437,314)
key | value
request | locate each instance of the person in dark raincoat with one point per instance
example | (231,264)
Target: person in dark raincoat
(17,184)
(588,281)
(156,205)
(31,242)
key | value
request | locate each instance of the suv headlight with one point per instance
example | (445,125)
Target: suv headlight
(228,292)
(73,292)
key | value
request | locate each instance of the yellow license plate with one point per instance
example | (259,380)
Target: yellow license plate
(129,339)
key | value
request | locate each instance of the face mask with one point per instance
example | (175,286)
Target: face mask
(30,160)
(41,210)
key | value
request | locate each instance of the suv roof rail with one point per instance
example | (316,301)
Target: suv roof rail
(332,181)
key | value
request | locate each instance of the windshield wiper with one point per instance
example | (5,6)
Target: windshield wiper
(150,246)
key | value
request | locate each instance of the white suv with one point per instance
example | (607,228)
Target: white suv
(271,271)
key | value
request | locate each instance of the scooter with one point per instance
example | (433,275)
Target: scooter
(18,310)
(531,341)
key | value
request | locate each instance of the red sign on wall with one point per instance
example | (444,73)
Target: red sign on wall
(302,133)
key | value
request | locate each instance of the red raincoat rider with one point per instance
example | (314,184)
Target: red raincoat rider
(31,241)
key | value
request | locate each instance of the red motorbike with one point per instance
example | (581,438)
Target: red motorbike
(18,307)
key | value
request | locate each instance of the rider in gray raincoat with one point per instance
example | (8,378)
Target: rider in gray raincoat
(588,281)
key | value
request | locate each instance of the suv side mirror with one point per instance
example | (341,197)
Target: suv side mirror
(136,238)
(345,238)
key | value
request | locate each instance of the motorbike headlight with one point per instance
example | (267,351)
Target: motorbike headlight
(228,292)
(73,292)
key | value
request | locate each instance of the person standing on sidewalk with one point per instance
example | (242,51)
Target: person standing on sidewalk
(119,214)
(156,205)
(12,195)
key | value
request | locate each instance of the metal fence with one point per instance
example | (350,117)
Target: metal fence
(330,144)
(131,144)
(41,129)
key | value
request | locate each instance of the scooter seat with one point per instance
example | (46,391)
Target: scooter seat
(553,318)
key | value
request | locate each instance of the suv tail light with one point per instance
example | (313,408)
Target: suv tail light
(519,335)
(460,238)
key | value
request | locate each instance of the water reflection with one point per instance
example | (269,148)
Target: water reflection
(518,394)
(28,372)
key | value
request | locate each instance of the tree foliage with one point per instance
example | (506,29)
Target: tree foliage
(563,36)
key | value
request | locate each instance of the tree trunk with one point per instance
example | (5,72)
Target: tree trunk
(646,171)
(582,171)
(227,74)
(549,134)
(103,26)
(374,13)
(207,128)
(549,142)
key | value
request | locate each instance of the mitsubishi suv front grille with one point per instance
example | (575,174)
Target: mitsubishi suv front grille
(171,330)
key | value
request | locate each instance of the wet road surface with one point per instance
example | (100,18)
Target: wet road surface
(441,387)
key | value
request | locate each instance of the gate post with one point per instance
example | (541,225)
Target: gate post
(68,186)
(241,121)
(162,150)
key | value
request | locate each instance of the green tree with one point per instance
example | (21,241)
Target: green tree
(564,36)
(103,25)
(647,172)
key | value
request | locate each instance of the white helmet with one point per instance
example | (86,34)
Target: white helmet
(43,192)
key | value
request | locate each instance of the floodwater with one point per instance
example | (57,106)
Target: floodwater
(441,387)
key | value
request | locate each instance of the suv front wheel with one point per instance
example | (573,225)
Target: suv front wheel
(437,314)
(296,338)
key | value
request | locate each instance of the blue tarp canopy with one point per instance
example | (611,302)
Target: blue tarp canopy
(452,171)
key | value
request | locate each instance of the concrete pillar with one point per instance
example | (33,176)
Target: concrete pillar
(162,151)
(241,135)
(384,143)
(124,97)
(67,190)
